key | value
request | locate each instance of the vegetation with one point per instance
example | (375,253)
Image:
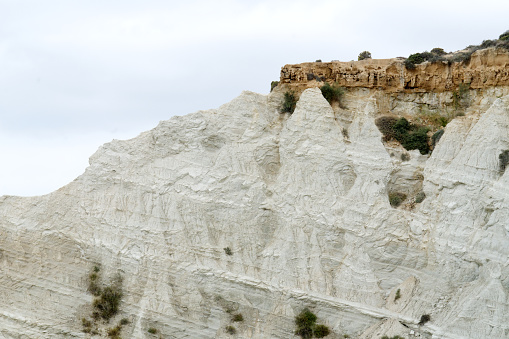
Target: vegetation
(108,301)
(321,331)
(152,330)
(398,295)
(307,327)
(395,337)
(405,156)
(114,332)
(105,305)
(230,329)
(273,85)
(289,102)
(396,198)
(332,93)
(420,197)
(437,54)
(228,251)
(364,55)
(436,137)
(237,317)
(424,319)
(460,96)
(503,160)
(410,136)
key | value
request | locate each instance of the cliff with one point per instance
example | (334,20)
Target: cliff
(485,69)
(243,210)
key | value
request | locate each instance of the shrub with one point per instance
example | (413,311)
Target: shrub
(114,332)
(405,156)
(273,85)
(396,198)
(332,93)
(93,282)
(152,330)
(386,126)
(398,295)
(310,76)
(435,138)
(307,327)
(438,51)
(424,319)
(503,160)
(504,36)
(106,304)
(228,251)
(364,55)
(231,330)
(289,102)
(417,139)
(409,64)
(395,337)
(420,197)
(237,317)
(321,331)
(124,321)
(409,136)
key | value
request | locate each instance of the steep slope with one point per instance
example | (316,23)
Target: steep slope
(301,201)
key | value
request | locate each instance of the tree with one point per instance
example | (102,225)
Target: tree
(364,55)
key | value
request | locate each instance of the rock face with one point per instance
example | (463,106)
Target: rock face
(299,202)
(486,68)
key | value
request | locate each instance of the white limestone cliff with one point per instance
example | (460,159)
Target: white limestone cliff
(302,202)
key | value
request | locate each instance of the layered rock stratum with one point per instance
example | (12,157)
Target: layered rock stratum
(301,204)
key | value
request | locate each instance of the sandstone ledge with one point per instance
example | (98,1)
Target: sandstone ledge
(486,68)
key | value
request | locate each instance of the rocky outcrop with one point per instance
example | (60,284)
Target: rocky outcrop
(301,202)
(485,69)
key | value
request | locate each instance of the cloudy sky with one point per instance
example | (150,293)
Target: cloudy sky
(75,74)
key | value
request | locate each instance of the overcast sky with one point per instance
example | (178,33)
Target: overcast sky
(75,74)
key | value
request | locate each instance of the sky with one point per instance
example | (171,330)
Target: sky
(76,74)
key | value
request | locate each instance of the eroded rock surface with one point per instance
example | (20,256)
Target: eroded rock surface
(302,205)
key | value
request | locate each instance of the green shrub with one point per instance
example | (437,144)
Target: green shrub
(332,93)
(420,197)
(409,136)
(395,337)
(409,64)
(396,198)
(310,76)
(231,330)
(237,317)
(289,102)
(417,139)
(364,55)
(424,319)
(228,251)
(435,138)
(321,331)
(438,51)
(503,160)
(273,85)
(305,322)
(398,294)
(504,36)
(106,304)
(124,321)
(307,327)
(152,330)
